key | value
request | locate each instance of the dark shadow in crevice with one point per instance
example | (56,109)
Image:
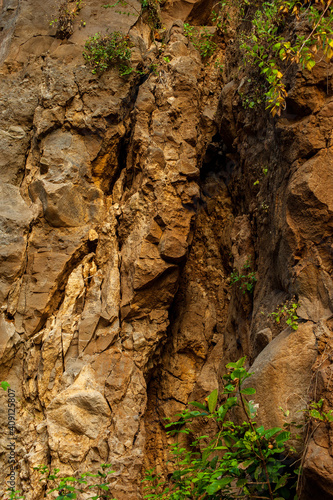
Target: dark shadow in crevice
(216,162)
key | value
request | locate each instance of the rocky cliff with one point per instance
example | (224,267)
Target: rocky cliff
(126,204)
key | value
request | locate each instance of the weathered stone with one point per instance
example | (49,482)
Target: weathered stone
(78,415)
(15,217)
(262,339)
(155,233)
(148,267)
(173,246)
(8,338)
(281,375)
(318,469)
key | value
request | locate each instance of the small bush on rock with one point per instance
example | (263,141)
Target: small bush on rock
(287,313)
(202,40)
(105,51)
(241,461)
(246,279)
(65,20)
(69,487)
(269,46)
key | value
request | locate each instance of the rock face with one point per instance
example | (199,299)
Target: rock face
(125,204)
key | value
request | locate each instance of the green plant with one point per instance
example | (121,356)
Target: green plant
(221,16)
(242,460)
(288,313)
(4,385)
(153,69)
(201,39)
(264,171)
(104,51)
(14,494)
(226,11)
(268,45)
(252,93)
(150,7)
(69,487)
(315,412)
(64,23)
(124,4)
(219,65)
(246,281)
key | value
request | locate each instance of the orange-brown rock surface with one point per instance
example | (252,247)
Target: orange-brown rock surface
(125,205)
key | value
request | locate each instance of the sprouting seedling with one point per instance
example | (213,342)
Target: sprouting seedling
(289,313)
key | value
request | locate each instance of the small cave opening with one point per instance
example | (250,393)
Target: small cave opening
(217,162)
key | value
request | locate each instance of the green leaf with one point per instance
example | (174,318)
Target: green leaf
(104,487)
(238,364)
(248,391)
(284,436)
(241,482)
(271,432)
(198,405)
(212,400)
(315,414)
(237,373)
(228,441)
(218,485)
(281,482)
(5,385)
(229,388)
(310,64)
(232,365)
(257,472)
(247,463)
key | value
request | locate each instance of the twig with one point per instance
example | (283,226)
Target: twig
(263,461)
(307,441)
(316,26)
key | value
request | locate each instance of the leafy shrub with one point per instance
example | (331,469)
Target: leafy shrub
(288,313)
(266,48)
(69,487)
(153,13)
(240,461)
(14,495)
(226,12)
(202,40)
(104,51)
(151,7)
(315,412)
(125,4)
(245,280)
(65,20)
